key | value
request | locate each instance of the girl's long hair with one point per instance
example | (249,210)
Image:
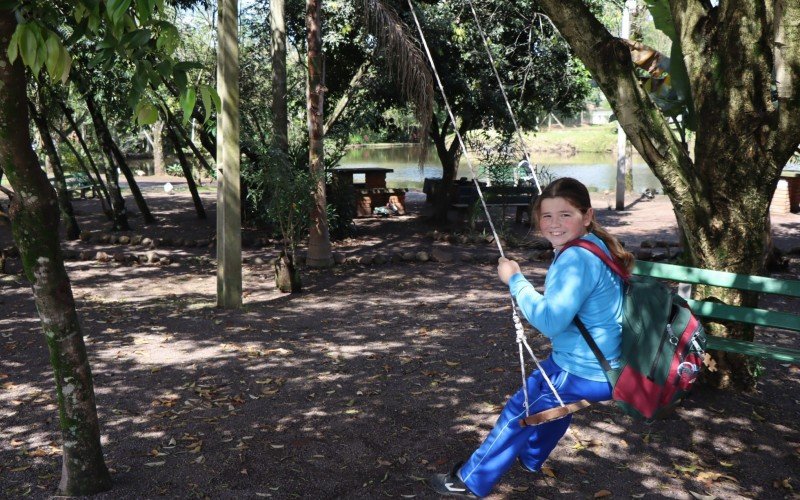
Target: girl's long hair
(577,195)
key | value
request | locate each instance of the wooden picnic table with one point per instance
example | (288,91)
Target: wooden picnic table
(373,192)
(374,177)
(787,194)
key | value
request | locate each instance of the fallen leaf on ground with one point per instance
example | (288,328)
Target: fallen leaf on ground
(688,468)
(602,494)
(154,464)
(547,471)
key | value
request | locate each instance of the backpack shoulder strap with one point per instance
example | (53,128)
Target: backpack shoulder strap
(592,247)
(614,266)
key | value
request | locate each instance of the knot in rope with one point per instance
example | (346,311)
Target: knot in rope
(518,327)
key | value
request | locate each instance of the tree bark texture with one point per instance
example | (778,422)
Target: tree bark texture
(319,243)
(73,229)
(159,164)
(744,133)
(280,120)
(34,216)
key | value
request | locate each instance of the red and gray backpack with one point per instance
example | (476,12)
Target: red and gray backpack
(663,344)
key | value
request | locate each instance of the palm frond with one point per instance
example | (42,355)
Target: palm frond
(406,62)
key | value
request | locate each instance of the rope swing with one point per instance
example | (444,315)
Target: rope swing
(563,409)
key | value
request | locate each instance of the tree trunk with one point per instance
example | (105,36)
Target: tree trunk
(187,172)
(97,180)
(746,131)
(448,157)
(319,243)
(159,166)
(34,216)
(116,157)
(73,229)
(287,276)
(107,194)
(112,177)
(280,121)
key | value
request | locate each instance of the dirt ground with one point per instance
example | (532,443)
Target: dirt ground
(382,371)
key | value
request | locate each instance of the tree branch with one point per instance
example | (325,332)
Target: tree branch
(609,61)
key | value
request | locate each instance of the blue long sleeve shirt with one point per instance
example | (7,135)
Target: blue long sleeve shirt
(578,282)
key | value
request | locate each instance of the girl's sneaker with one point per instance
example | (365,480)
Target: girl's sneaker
(450,484)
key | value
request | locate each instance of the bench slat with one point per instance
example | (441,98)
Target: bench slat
(751,349)
(717,278)
(747,315)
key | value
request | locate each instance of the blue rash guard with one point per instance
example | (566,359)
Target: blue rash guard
(577,283)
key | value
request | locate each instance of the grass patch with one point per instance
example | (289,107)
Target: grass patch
(585,139)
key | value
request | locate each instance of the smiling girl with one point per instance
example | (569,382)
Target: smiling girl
(577,284)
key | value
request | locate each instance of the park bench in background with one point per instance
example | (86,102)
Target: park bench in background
(78,184)
(518,197)
(687,277)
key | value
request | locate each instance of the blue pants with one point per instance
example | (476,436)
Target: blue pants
(508,440)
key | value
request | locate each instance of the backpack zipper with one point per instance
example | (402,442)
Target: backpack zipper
(692,342)
(664,336)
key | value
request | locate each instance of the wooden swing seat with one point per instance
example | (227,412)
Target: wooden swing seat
(553,413)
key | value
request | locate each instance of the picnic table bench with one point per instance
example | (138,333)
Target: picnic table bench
(712,311)
(78,184)
(519,197)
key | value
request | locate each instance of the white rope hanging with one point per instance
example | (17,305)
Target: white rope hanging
(527,160)
(520,331)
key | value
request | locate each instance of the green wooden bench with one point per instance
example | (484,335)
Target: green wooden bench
(687,277)
(518,197)
(78,184)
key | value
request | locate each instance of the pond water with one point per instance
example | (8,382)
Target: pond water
(597,170)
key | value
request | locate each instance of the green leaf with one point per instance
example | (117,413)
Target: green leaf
(13,46)
(168,38)
(108,42)
(92,6)
(136,38)
(146,114)
(53,61)
(116,9)
(164,68)
(205,94)
(662,17)
(144,9)
(94,23)
(179,78)
(67,64)
(27,44)
(187,65)
(188,99)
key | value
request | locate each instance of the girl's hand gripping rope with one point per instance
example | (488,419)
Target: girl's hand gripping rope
(506,269)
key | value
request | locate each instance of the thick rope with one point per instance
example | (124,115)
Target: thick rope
(520,332)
